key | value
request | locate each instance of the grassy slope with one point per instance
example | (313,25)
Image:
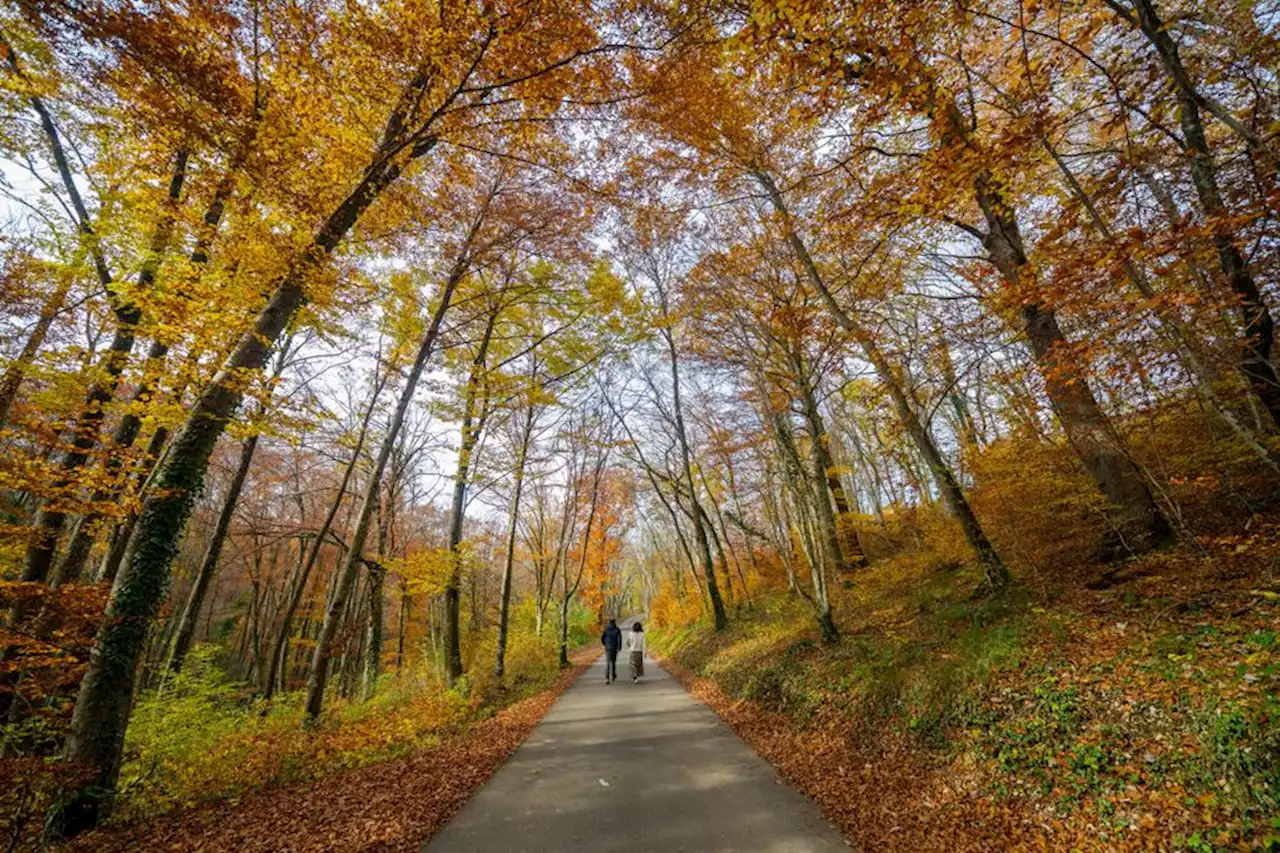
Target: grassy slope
(1139,716)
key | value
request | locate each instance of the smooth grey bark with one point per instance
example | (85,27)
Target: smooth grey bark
(276,663)
(472,427)
(995,574)
(720,617)
(346,576)
(509,554)
(402,622)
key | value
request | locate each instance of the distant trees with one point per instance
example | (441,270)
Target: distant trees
(809,270)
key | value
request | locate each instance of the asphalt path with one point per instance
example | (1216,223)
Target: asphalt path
(643,767)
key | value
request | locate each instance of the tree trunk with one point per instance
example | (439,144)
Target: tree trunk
(101,712)
(564,625)
(406,603)
(1255,315)
(319,676)
(727,542)
(718,545)
(377,590)
(472,425)
(1180,338)
(569,591)
(1136,521)
(123,532)
(686,462)
(209,565)
(828,480)
(810,490)
(508,562)
(995,575)
(49,521)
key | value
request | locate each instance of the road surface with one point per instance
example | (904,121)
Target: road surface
(627,768)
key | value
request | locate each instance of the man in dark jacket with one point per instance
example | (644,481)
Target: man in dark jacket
(611,639)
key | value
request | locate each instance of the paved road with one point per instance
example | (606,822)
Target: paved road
(642,767)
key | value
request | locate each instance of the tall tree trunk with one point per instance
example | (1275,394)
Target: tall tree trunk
(209,565)
(406,602)
(810,490)
(686,464)
(346,576)
(276,659)
(727,542)
(995,575)
(965,429)
(101,712)
(472,426)
(1255,315)
(49,521)
(16,372)
(1180,338)
(828,477)
(565,598)
(377,590)
(718,545)
(1137,524)
(509,555)
(742,519)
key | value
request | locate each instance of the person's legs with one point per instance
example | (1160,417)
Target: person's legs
(610,665)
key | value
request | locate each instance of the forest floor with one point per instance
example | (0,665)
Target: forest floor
(393,805)
(1109,710)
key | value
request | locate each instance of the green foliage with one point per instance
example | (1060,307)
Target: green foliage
(202,737)
(1241,751)
(582,625)
(181,724)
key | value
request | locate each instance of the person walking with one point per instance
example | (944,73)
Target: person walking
(611,639)
(635,645)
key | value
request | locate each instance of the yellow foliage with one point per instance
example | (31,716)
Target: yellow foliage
(671,610)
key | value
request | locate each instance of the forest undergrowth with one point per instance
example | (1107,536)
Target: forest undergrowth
(384,775)
(208,760)
(1092,707)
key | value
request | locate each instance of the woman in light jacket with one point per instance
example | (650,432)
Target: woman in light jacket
(635,645)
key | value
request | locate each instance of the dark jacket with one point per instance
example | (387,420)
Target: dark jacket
(612,637)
